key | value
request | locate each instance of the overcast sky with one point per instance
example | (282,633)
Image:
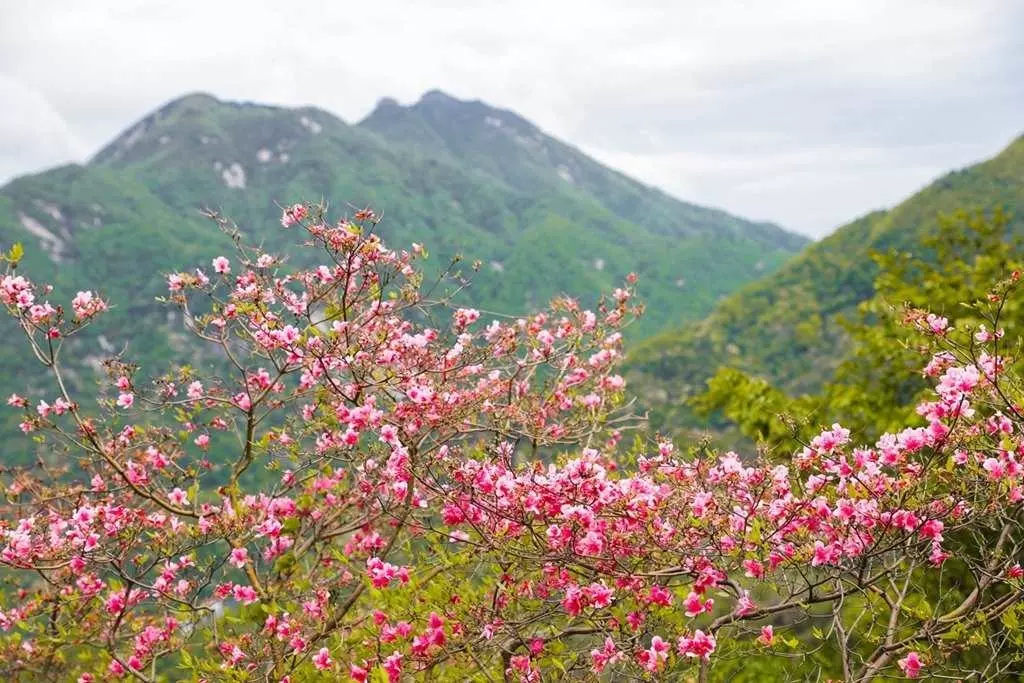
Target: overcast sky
(807,113)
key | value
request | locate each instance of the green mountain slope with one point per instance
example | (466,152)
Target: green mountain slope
(505,147)
(120,222)
(784,327)
(536,233)
(244,158)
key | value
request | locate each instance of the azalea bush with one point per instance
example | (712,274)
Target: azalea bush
(376,484)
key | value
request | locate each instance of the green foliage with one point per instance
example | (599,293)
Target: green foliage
(878,382)
(788,327)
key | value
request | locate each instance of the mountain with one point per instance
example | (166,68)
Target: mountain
(542,216)
(784,327)
(460,177)
(510,149)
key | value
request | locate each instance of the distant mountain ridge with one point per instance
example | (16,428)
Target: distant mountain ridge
(506,146)
(443,172)
(540,216)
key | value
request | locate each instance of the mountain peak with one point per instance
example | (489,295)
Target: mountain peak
(436,96)
(201,121)
(431,101)
(439,104)
(191,100)
(437,115)
(386,107)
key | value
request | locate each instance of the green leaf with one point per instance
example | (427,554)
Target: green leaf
(284,563)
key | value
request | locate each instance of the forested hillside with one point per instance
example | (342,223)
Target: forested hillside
(786,327)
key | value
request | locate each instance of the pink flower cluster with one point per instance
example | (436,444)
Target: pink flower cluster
(392,490)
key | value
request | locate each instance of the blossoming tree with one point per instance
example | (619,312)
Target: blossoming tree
(380,486)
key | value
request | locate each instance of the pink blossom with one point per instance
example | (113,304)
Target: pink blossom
(244,594)
(293,214)
(911,665)
(393,667)
(654,657)
(239,557)
(700,645)
(322,659)
(694,605)
(86,305)
(221,265)
(358,673)
(937,324)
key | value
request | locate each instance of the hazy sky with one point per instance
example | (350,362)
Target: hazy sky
(807,113)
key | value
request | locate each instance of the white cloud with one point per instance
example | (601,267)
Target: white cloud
(800,111)
(33,135)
